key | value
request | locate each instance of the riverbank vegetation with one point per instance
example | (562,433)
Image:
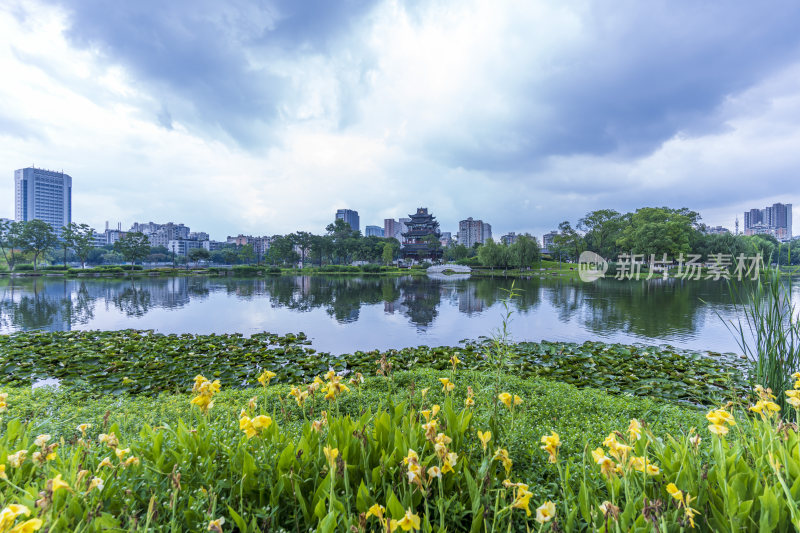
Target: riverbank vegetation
(129,361)
(424,450)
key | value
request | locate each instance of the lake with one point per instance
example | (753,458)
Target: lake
(342,314)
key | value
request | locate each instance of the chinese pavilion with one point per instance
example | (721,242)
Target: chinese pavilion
(417,240)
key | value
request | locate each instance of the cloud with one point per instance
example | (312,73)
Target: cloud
(211,62)
(265,117)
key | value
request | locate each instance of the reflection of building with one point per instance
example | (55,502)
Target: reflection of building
(374,231)
(422,238)
(472,231)
(468,301)
(775,220)
(43,195)
(351,217)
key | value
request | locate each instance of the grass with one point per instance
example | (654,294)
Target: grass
(578,415)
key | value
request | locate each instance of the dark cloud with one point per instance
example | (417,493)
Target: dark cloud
(647,71)
(206,58)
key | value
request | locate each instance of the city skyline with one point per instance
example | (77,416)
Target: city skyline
(259,117)
(352,216)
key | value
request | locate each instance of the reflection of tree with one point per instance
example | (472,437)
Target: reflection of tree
(645,308)
(133,300)
(420,298)
(78,305)
(27,305)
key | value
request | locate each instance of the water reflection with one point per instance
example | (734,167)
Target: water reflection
(377,311)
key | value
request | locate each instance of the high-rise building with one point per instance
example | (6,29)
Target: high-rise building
(473,231)
(374,231)
(395,228)
(351,217)
(773,220)
(509,238)
(391,228)
(44,195)
(547,241)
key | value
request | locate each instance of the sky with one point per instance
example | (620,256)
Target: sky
(265,117)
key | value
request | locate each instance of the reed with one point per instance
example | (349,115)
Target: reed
(767,330)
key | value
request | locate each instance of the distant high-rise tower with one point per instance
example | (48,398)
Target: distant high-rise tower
(773,220)
(44,195)
(373,231)
(473,231)
(351,217)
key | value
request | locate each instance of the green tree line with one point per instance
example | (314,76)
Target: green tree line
(655,231)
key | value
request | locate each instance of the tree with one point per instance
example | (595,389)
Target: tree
(659,230)
(82,241)
(133,247)
(246,253)
(199,254)
(524,252)
(321,246)
(37,237)
(344,239)
(568,240)
(303,240)
(602,229)
(388,254)
(10,233)
(281,250)
(490,254)
(67,238)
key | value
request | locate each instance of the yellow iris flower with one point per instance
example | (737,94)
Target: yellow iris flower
(58,483)
(447,385)
(266,377)
(10,513)
(506,398)
(635,429)
(29,526)
(501,454)
(95,483)
(450,461)
(765,408)
(330,455)
(551,443)
(522,498)
(607,466)
(216,525)
(454,360)
(484,437)
(407,523)
(546,512)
